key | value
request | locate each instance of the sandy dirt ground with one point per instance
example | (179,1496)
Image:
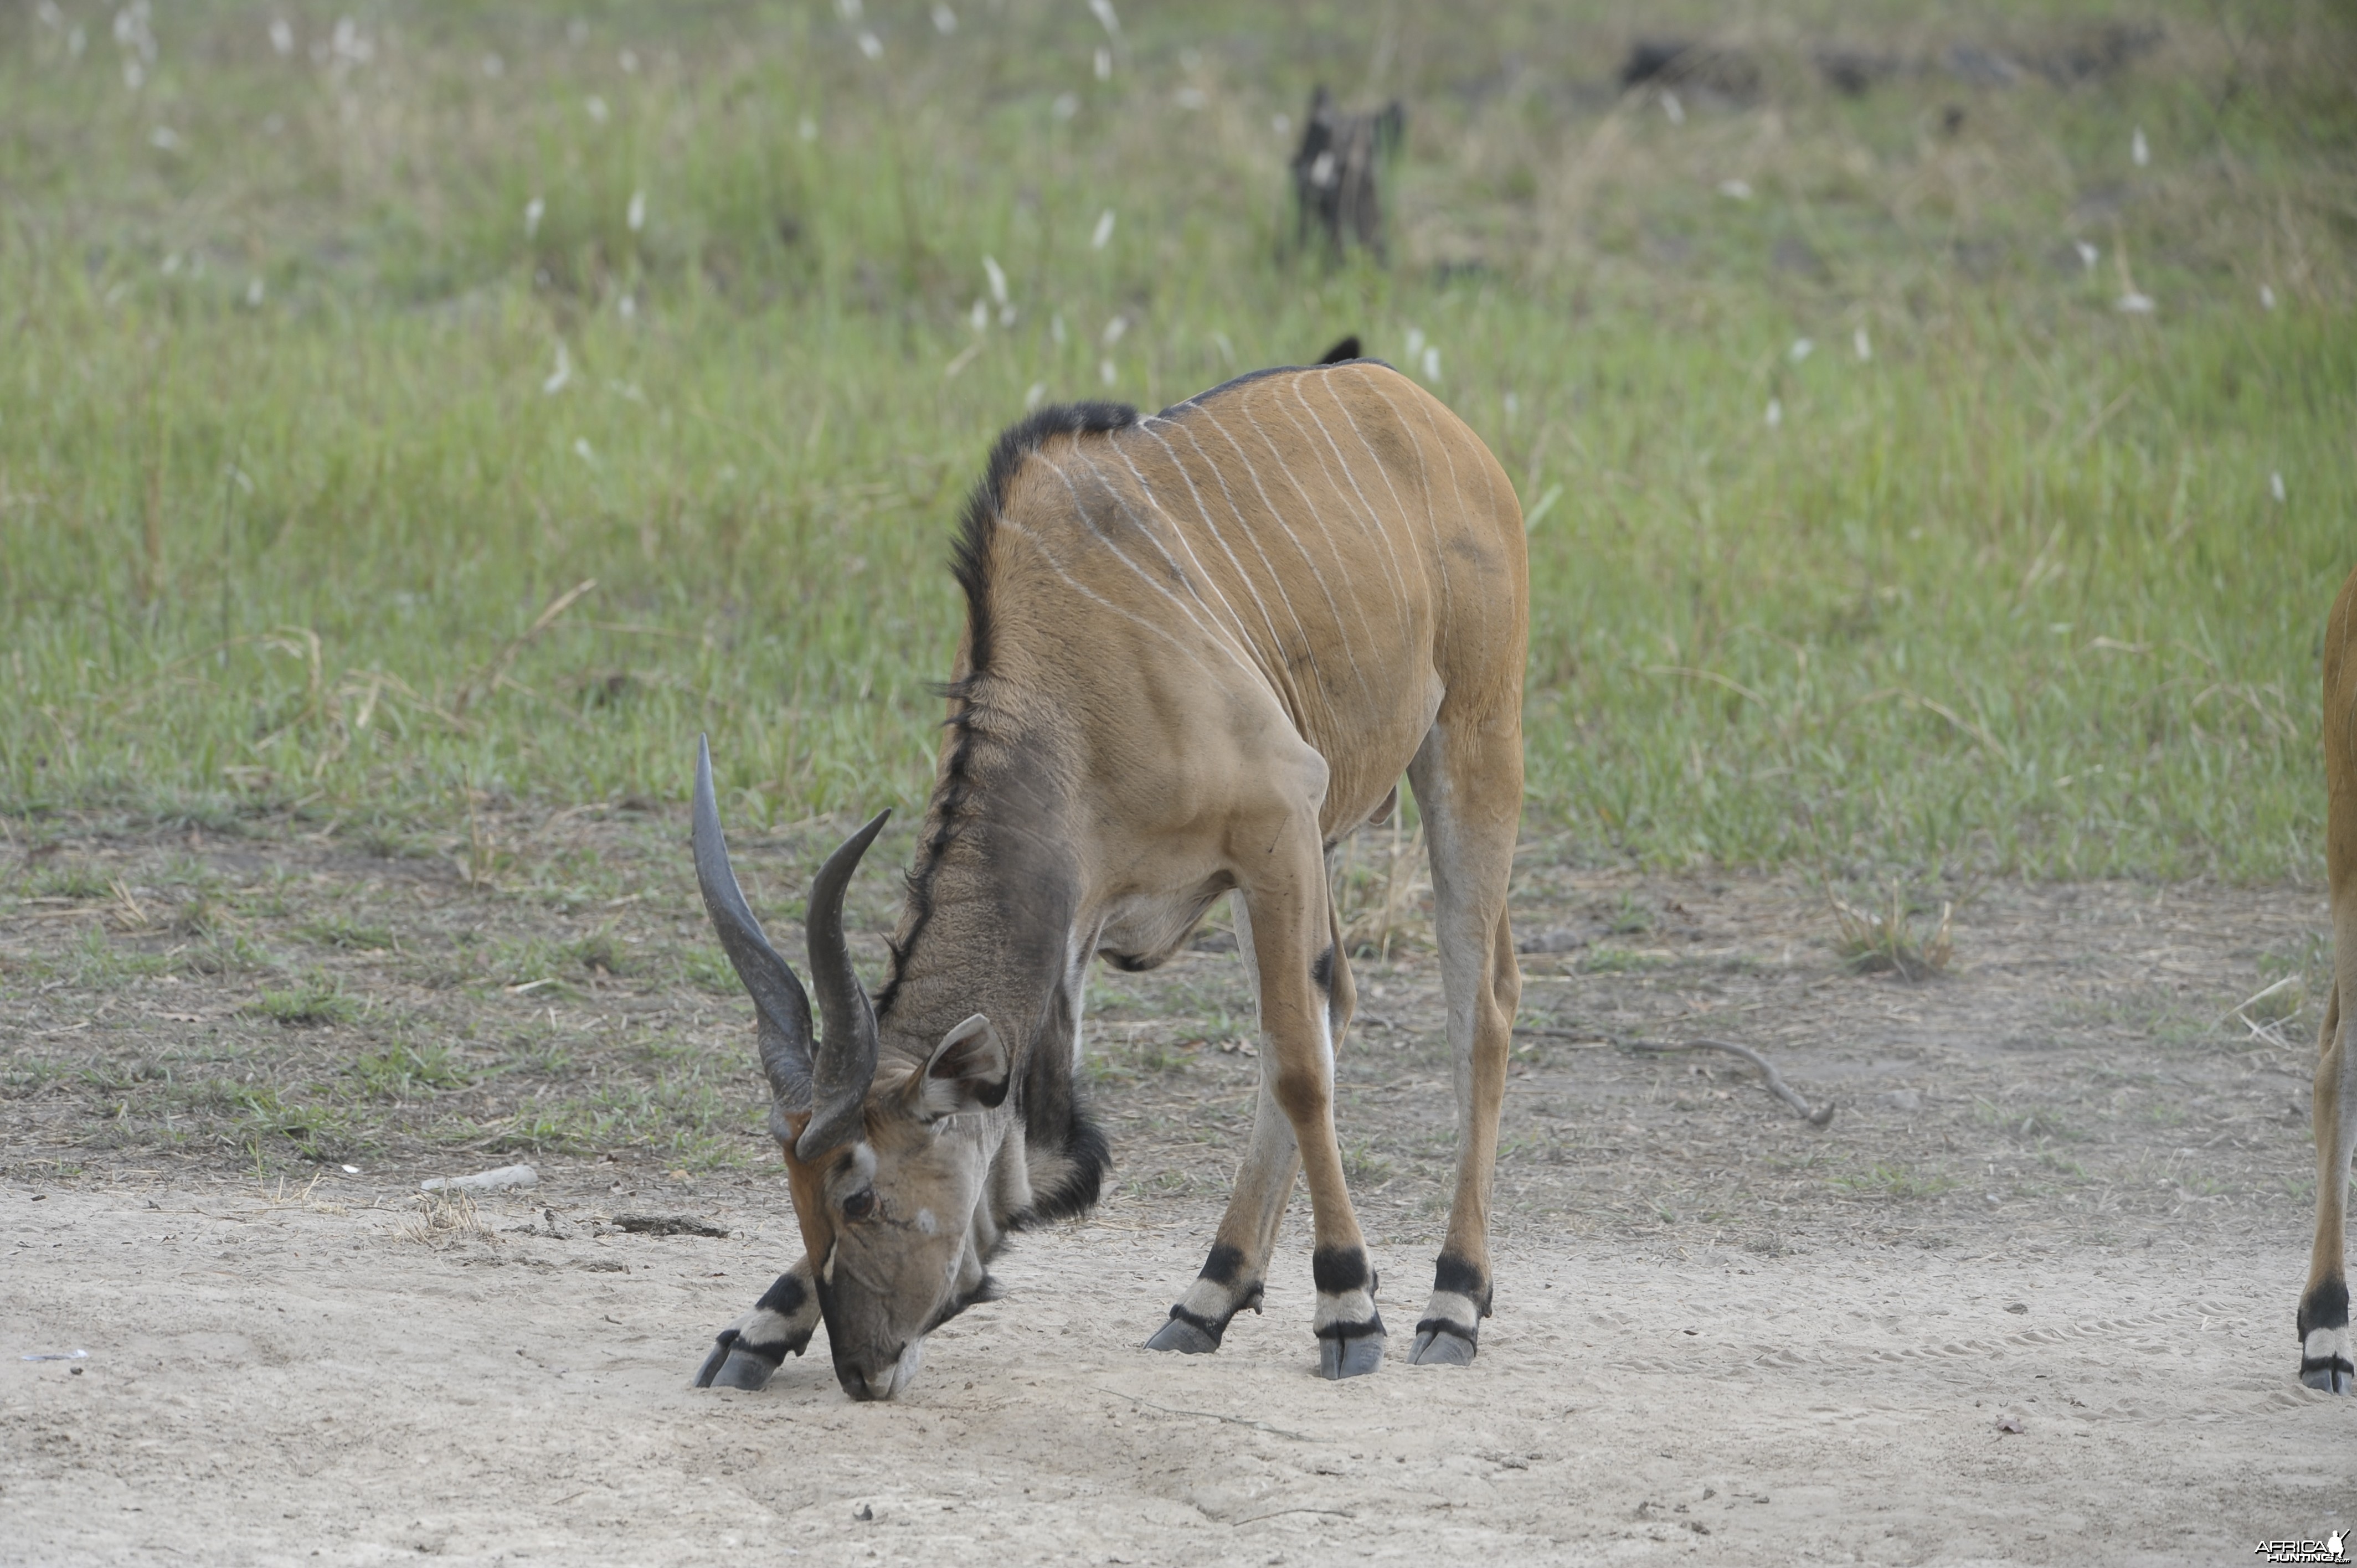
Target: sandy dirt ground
(2029,1298)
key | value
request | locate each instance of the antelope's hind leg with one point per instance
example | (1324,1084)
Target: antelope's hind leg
(748,1353)
(1237,1267)
(1469,785)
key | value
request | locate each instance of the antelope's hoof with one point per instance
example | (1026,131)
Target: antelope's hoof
(1187,1338)
(745,1368)
(734,1364)
(1443,1345)
(1352,1357)
(2331,1374)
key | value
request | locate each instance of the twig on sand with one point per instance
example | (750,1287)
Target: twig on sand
(1209,1415)
(1818,1116)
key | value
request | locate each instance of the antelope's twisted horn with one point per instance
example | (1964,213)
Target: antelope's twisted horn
(846,1062)
(778,996)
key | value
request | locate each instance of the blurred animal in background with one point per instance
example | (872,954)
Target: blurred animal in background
(1337,174)
(1683,64)
(2327,1359)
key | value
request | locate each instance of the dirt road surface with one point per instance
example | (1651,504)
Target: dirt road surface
(2028,1299)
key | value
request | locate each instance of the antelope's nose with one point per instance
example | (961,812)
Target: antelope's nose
(864,1383)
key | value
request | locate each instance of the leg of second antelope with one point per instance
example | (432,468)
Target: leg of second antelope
(2327,1359)
(1469,787)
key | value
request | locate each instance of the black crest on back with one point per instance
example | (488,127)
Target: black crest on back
(1348,348)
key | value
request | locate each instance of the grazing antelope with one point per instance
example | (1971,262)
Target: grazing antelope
(2326,1358)
(1201,646)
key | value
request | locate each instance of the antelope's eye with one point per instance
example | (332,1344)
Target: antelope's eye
(859,1205)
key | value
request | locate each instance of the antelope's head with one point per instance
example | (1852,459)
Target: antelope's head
(891,1171)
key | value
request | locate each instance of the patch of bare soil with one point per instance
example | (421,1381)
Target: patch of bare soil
(2029,1297)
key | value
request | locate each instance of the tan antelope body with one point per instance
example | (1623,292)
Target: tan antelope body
(2326,1359)
(1202,645)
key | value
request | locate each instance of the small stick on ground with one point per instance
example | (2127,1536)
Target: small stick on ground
(1815,1117)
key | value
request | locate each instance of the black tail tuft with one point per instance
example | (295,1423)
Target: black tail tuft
(1348,348)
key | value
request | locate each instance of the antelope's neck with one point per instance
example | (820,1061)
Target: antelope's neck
(992,904)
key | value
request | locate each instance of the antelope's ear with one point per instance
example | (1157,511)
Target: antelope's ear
(968,1072)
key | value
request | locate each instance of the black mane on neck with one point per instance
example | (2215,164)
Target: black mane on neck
(954,791)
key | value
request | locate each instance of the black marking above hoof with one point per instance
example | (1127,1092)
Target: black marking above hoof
(1442,1344)
(1185,1333)
(2332,1374)
(1352,1357)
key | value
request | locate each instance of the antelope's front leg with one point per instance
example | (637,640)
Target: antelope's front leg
(1293,948)
(746,1353)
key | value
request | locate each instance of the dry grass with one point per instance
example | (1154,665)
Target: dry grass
(445,1219)
(1898,938)
(1381,881)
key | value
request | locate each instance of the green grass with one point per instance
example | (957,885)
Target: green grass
(1896,1180)
(288,522)
(315,1000)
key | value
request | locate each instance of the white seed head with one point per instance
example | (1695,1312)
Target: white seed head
(944,20)
(1431,363)
(598,110)
(1775,413)
(1801,349)
(1105,372)
(2088,254)
(636,213)
(870,45)
(1066,104)
(1863,344)
(281,36)
(1103,236)
(558,377)
(1673,109)
(2139,150)
(2134,304)
(1104,63)
(2266,298)
(2275,486)
(998,276)
(534,210)
(1103,10)
(1735,189)
(1034,395)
